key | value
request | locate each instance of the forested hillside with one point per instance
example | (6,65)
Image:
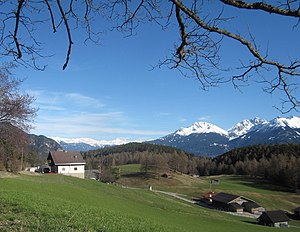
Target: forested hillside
(278,164)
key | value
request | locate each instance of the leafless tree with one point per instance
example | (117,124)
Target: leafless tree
(15,107)
(196,54)
(16,114)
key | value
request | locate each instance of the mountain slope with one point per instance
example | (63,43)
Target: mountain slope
(207,139)
(42,144)
(201,138)
(86,144)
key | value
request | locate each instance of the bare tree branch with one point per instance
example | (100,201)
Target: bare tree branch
(264,7)
(20,3)
(68,32)
(51,16)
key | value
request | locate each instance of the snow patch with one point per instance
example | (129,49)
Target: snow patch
(201,128)
(91,142)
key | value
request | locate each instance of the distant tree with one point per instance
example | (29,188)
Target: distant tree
(201,33)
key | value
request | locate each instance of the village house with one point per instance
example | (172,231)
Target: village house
(70,163)
(276,218)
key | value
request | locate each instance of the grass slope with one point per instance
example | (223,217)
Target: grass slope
(269,196)
(60,203)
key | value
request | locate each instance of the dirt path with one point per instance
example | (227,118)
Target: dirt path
(176,196)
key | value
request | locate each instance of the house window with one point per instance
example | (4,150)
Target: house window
(63,169)
(75,169)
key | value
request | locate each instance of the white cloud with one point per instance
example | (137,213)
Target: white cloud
(204,118)
(77,115)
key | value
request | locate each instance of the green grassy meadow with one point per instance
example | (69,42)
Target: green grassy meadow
(269,196)
(61,203)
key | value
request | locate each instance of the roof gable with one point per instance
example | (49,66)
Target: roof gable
(236,206)
(274,216)
(66,157)
(224,197)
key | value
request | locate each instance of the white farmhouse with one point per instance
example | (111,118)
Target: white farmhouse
(68,163)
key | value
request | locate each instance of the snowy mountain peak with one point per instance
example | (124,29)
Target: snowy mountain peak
(292,122)
(91,142)
(245,126)
(201,127)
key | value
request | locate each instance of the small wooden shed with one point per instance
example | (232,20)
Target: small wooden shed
(276,218)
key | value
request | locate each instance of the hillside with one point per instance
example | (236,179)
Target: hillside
(134,147)
(258,152)
(28,203)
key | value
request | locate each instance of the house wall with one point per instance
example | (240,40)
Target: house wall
(281,224)
(71,170)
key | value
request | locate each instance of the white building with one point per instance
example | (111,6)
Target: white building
(70,163)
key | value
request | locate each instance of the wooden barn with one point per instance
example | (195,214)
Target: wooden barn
(252,207)
(276,218)
(70,163)
(225,201)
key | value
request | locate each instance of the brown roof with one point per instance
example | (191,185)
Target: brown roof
(66,157)
(274,216)
(250,204)
(224,197)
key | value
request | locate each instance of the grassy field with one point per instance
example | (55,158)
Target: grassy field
(269,196)
(60,203)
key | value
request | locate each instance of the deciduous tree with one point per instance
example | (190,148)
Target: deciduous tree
(16,115)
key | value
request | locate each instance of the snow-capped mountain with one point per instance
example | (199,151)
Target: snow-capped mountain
(201,127)
(200,138)
(85,144)
(292,122)
(203,138)
(276,131)
(245,126)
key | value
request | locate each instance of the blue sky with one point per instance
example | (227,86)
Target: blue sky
(110,91)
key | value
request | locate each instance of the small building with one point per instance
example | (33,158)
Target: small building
(252,207)
(70,163)
(223,201)
(296,213)
(276,218)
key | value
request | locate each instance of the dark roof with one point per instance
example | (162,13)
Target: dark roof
(236,205)
(297,209)
(250,204)
(224,197)
(66,157)
(274,216)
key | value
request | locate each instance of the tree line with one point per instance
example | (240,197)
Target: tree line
(279,164)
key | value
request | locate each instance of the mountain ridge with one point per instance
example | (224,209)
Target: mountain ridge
(248,132)
(203,138)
